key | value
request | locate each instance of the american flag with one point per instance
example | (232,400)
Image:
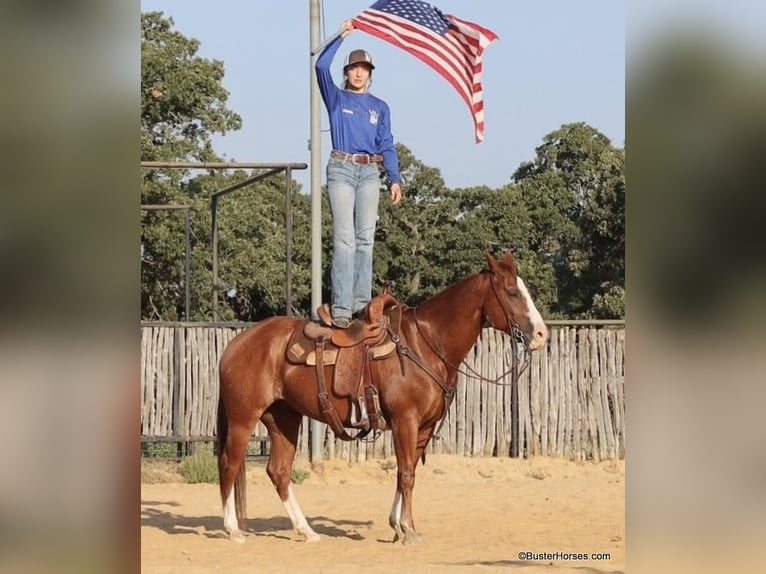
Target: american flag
(451,46)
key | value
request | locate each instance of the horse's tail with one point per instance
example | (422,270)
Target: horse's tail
(222,432)
(240,495)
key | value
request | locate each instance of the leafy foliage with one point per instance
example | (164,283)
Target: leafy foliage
(412,239)
(575,193)
(298,475)
(182,98)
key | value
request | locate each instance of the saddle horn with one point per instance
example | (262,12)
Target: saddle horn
(378,304)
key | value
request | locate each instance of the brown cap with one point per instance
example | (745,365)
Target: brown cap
(358,56)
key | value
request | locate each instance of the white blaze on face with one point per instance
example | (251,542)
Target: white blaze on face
(539,330)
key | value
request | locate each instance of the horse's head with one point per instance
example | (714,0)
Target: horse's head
(509,306)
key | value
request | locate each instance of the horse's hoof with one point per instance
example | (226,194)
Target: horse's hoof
(237,537)
(411,538)
(313,537)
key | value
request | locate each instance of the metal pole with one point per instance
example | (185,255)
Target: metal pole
(289,243)
(214,211)
(177,418)
(187,249)
(514,400)
(317,428)
(187,263)
(249,181)
(219,165)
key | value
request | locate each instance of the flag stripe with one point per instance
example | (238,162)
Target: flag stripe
(451,46)
(473,29)
(408,37)
(426,56)
(404,30)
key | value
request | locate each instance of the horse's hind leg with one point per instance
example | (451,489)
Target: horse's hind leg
(231,470)
(283,423)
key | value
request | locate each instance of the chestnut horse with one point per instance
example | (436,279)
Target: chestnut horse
(257,383)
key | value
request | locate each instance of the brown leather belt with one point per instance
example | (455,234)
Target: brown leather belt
(356,157)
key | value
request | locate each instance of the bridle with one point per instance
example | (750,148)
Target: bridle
(513,329)
(517,335)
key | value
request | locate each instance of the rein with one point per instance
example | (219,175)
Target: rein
(449,392)
(513,330)
(406,351)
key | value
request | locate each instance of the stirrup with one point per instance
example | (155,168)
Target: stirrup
(360,406)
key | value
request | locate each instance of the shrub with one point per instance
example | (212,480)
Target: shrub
(159,449)
(200,467)
(298,475)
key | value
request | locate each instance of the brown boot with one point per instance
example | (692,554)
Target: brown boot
(341,322)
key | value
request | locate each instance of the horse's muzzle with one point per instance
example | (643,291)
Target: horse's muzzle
(539,338)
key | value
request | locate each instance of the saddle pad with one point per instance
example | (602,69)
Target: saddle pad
(331,355)
(299,345)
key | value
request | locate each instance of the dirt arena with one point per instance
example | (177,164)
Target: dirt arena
(475,515)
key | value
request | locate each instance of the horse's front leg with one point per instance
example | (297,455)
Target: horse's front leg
(407,444)
(395,517)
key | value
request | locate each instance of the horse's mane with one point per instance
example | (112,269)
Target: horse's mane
(460,285)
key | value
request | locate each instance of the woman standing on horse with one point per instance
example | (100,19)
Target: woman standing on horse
(360,128)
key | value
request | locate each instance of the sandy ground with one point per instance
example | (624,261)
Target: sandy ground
(475,515)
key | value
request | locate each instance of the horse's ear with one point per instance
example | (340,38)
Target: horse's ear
(491,262)
(508,259)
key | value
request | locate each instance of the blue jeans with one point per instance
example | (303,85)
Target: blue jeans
(354,191)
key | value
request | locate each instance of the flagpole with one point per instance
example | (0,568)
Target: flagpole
(315,146)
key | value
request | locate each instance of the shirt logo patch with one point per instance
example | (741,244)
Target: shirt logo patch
(373,117)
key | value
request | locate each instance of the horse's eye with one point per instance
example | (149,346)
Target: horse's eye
(513,293)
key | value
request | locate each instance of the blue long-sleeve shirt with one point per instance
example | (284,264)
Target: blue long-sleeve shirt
(359,123)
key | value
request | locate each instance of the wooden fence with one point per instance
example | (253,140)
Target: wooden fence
(571,396)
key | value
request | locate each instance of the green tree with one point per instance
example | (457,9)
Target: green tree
(182,99)
(182,106)
(252,247)
(413,238)
(183,103)
(438,235)
(495,220)
(603,224)
(574,191)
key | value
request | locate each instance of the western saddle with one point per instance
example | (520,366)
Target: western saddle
(350,351)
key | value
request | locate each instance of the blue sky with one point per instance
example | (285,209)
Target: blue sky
(556,62)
